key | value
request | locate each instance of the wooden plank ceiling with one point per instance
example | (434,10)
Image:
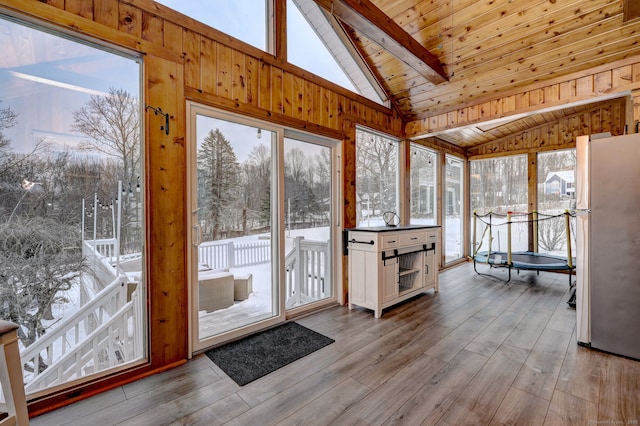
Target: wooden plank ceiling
(489,47)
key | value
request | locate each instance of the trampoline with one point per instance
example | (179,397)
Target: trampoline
(523,260)
(527,260)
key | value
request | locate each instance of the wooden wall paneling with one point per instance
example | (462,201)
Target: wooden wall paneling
(452,118)
(205,77)
(584,85)
(172,37)
(309,112)
(130,20)
(106,12)
(288,94)
(349,174)
(603,82)
(166,220)
(80,7)
(252,80)
(264,100)
(508,104)
(324,106)
(277,101)
(153,28)
(193,61)
(567,90)
(586,125)
(552,93)
(348,194)
(297,97)
(224,71)
(333,109)
(606,121)
(238,75)
(621,76)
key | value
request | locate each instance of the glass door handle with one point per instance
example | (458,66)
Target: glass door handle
(196,238)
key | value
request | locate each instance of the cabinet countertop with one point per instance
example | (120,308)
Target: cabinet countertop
(393,228)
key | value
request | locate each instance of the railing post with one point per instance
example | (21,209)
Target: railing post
(231,253)
(298,269)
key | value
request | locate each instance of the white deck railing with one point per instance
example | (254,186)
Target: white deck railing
(307,272)
(98,333)
(116,341)
(234,255)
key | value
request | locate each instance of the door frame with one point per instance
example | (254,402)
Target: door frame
(193,109)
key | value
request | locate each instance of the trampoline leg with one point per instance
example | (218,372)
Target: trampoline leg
(509,274)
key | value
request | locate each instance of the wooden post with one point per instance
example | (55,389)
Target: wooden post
(535,230)
(509,238)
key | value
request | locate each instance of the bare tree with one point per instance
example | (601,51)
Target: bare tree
(39,258)
(552,233)
(8,119)
(112,125)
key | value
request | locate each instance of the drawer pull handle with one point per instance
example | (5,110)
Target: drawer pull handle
(362,242)
(391,242)
(414,238)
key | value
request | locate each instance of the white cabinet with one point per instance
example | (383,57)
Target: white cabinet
(389,265)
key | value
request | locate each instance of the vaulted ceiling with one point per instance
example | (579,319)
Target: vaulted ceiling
(484,48)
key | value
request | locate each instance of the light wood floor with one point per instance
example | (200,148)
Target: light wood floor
(479,352)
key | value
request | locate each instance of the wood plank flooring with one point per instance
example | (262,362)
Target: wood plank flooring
(480,352)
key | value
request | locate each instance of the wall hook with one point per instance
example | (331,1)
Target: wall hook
(158,111)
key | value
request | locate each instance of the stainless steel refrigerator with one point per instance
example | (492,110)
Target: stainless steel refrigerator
(608,243)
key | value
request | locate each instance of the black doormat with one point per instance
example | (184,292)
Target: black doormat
(254,356)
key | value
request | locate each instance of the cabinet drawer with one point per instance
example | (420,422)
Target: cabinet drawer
(413,238)
(390,241)
(432,236)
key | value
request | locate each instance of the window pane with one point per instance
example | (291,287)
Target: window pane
(376,177)
(71,206)
(424,186)
(314,45)
(454,177)
(498,186)
(306,49)
(307,198)
(234,164)
(556,193)
(245,20)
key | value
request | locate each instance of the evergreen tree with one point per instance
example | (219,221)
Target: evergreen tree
(218,182)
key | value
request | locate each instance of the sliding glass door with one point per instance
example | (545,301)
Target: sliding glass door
(261,203)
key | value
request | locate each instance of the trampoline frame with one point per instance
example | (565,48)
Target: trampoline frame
(561,264)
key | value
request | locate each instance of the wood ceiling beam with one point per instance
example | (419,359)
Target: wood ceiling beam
(364,17)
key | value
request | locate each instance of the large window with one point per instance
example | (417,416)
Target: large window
(424,185)
(376,177)
(556,194)
(499,186)
(71,206)
(245,20)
